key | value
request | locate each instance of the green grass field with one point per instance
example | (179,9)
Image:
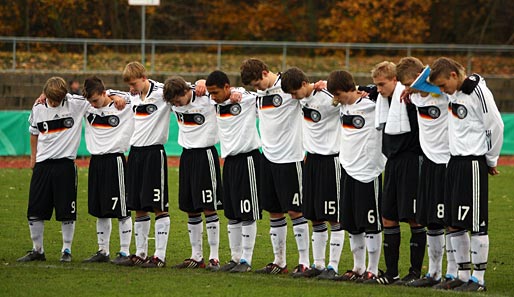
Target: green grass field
(52,278)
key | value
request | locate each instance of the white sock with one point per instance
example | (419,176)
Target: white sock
(68,229)
(162,230)
(319,244)
(358,248)
(141,230)
(301,234)
(234,230)
(461,243)
(195,228)
(278,234)
(125,230)
(103,234)
(37,229)
(249,233)
(212,224)
(336,246)
(374,246)
(479,255)
(451,266)
(435,247)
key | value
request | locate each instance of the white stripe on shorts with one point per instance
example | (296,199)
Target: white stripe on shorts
(476,195)
(253,187)
(338,185)
(212,170)
(121,186)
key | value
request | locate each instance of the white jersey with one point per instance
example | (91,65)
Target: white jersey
(321,132)
(108,130)
(197,123)
(433,126)
(476,126)
(280,124)
(237,125)
(58,128)
(152,117)
(361,143)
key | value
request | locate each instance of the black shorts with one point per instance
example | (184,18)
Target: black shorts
(466,191)
(53,185)
(199,185)
(107,195)
(241,186)
(281,186)
(430,203)
(147,178)
(322,188)
(361,205)
(401,187)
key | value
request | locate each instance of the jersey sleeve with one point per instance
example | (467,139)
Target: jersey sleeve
(32,123)
(493,125)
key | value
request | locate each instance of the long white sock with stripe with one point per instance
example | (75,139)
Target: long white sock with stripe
(103,234)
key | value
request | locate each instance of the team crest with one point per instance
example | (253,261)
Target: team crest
(277,100)
(315,116)
(434,112)
(199,119)
(151,108)
(114,121)
(462,112)
(68,122)
(358,122)
(235,109)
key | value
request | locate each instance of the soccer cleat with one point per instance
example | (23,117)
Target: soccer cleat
(471,286)
(32,256)
(213,265)
(449,284)
(313,271)
(120,257)
(348,276)
(409,278)
(190,263)
(368,275)
(426,281)
(97,258)
(153,262)
(328,273)
(241,267)
(385,279)
(272,268)
(66,256)
(132,260)
(299,271)
(229,266)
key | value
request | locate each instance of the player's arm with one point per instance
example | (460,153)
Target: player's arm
(200,88)
(33,149)
(120,99)
(493,125)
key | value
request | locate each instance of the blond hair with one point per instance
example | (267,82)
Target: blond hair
(386,69)
(55,89)
(133,70)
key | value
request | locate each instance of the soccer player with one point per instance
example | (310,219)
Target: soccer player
(476,135)
(200,188)
(322,172)
(434,141)
(55,128)
(108,132)
(400,144)
(280,125)
(240,144)
(363,162)
(147,169)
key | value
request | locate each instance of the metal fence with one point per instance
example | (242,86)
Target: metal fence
(347,51)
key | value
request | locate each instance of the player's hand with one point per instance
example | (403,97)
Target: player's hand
(235,95)
(41,99)
(119,102)
(363,93)
(200,88)
(320,85)
(405,96)
(493,171)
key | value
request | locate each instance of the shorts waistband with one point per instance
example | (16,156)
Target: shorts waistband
(243,155)
(482,157)
(198,149)
(147,148)
(319,156)
(56,161)
(107,156)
